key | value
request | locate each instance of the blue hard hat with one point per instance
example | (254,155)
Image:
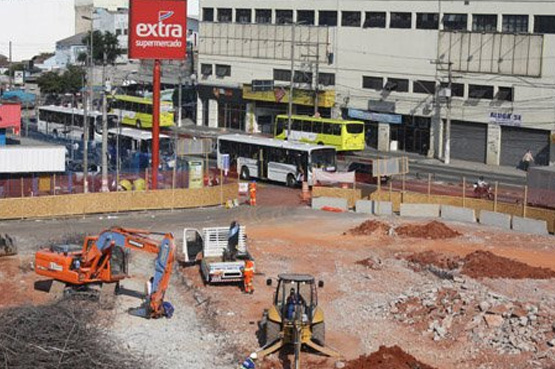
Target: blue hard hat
(248,364)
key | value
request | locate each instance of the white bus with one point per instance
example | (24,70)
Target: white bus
(273,159)
(68,123)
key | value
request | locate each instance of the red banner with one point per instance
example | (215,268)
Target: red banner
(157,29)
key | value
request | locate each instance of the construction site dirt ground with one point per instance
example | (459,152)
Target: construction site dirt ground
(390,283)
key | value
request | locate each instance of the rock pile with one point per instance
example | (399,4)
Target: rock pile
(459,308)
(387,358)
(433,230)
(369,227)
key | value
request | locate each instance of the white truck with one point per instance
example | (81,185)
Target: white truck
(210,246)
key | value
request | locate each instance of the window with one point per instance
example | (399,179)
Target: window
(223,70)
(305,17)
(307,126)
(317,127)
(480,92)
(374,20)
(206,69)
(302,77)
(515,23)
(397,84)
(326,79)
(118,32)
(544,24)
(282,75)
(355,128)
(457,89)
(400,20)
(336,129)
(505,94)
(208,14)
(427,21)
(263,16)
(350,19)
(224,15)
(284,16)
(373,83)
(243,16)
(455,22)
(328,18)
(484,22)
(296,125)
(424,87)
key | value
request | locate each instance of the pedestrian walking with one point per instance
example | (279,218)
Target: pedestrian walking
(527,159)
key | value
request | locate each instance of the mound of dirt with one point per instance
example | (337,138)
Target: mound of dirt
(369,227)
(433,230)
(427,258)
(386,358)
(484,264)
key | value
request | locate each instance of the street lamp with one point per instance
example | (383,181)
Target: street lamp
(85,107)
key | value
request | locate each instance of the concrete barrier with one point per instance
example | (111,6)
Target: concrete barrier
(382,207)
(528,225)
(332,202)
(458,214)
(420,210)
(364,206)
(494,219)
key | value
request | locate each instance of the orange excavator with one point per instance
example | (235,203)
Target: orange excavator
(102,260)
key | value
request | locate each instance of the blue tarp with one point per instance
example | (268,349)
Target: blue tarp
(19,95)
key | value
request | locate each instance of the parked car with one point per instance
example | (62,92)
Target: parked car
(363,172)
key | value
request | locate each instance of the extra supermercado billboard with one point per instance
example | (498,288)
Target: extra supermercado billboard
(157,29)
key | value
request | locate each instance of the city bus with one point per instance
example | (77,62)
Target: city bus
(134,147)
(344,135)
(68,123)
(137,111)
(274,160)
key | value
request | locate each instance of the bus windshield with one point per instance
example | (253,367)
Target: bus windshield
(355,128)
(323,158)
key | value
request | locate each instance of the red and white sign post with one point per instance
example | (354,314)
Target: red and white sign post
(157,30)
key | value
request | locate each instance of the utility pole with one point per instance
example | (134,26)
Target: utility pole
(104,130)
(87,101)
(291,80)
(10,68)
(447,150)
(317,80)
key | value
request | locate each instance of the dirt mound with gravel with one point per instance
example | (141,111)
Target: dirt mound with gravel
(369,227)
(387,358)
(484,264)
(434,230)
(427,258)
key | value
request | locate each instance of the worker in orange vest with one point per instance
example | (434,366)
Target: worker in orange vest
(248,275)
(252,193)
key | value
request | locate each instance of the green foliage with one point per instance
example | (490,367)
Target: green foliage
(13,68)
(70,81)
(102,43)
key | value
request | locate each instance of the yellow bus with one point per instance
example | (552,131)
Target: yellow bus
(137,111)
(345,135)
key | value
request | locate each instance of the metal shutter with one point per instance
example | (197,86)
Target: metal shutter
(516,141)
(468,141)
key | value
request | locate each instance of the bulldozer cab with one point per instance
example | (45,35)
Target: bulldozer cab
(294,293)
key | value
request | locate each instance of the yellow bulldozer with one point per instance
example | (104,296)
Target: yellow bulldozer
(294,319)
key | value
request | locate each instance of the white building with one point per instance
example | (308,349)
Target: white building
(115,22)
(67,52)
(387,63)
(84,8)
(34,26)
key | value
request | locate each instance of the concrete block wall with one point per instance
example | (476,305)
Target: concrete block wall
(528,225)
(458,214)
(491,218)
(420,210)
(333,202)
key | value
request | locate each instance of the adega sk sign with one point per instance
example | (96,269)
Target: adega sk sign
(157,29)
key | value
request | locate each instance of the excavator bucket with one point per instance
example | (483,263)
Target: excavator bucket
(7,246)
(44,285)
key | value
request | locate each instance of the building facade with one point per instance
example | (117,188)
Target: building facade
(406,68)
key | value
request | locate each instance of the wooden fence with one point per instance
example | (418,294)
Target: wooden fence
(113,202)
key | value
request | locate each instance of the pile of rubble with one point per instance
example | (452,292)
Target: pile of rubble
(387,358)
(433,230)
(484,264)
(463,308)
(370,227)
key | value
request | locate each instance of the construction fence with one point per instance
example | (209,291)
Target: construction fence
(114,202)
(397,197)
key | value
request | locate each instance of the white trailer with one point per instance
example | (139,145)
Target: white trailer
(209,246)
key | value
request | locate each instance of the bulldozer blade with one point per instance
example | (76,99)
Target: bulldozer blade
(44,285)
(324,350)
(269,349)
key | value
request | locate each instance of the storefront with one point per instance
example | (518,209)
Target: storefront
(515,141)
(413,135)
(372,122)
(222,107)
(469,141)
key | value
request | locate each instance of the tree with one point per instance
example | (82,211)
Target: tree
(71,81)
(102,43)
